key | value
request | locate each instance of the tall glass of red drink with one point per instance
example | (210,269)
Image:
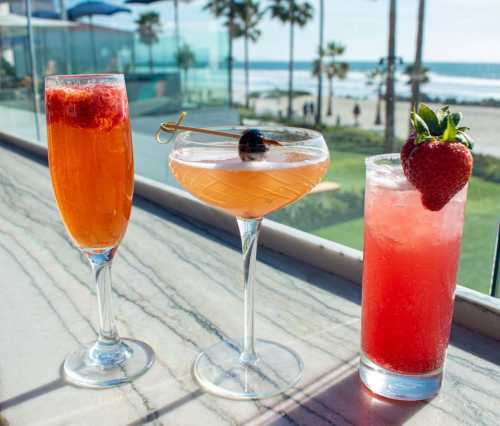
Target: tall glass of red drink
(411,257)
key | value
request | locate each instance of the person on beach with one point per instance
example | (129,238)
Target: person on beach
(305,110)
(311,110)
(356,112)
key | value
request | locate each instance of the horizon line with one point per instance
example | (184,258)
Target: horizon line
(373,60)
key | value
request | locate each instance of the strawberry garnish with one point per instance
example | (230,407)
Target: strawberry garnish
(93,106)
(407,149)
(436,158)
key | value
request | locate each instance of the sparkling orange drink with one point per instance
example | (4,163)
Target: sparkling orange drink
(248,189)
(92,171)
(91,160)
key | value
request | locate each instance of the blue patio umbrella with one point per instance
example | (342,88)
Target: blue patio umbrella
(91,8)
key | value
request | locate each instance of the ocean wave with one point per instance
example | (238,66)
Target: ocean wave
(355,85)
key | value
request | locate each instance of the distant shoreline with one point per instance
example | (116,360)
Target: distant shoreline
(486,70)
(470,84)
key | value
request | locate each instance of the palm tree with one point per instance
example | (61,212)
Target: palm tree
(389,87)
(417,67)
(148,27)
(185,59)
(226,9)
(319,102)
(334,70)
(417,77)
(378,77)
(289,11)
(250,15)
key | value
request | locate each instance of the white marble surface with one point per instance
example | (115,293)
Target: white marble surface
(177,286)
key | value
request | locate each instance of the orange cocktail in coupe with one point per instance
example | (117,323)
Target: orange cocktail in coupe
(248,173)
(91,161)
(248,189)
(92,170)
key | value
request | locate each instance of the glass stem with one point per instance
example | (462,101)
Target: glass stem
(107,349)
(249,232)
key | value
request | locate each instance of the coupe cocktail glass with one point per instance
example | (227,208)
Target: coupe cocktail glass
(210,168)
(410,265)
(92,171)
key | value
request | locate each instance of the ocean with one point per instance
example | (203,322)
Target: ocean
(463,81)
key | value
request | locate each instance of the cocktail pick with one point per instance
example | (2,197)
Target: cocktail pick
(173,128)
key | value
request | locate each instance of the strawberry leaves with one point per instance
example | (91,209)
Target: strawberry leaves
(431,119)
(465,139)
(442,126)
(450,133)
(442,114)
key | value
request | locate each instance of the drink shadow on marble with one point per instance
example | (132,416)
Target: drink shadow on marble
(249,187)
(92,173)
(343,399)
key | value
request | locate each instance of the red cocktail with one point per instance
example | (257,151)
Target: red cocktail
(411,257)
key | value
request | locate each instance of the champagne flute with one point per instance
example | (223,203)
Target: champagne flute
(92,171)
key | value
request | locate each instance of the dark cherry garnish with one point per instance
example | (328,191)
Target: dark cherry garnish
(252,142)
(252,146)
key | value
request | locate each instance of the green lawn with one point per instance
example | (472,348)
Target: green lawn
(348,169)
(481,220)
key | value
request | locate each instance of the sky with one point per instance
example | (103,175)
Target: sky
(455,30)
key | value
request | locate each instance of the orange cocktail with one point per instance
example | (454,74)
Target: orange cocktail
(91,160)
(248,173)
(248,189)
(92,171)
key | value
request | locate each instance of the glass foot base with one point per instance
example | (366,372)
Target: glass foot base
(219,370)
(415,387)
(130,360)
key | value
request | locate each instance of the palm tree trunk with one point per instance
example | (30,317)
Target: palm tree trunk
(176,25)
(389,91)
(378,116)
(150,50)
(133,57)
(230,54)
(34,69)
(319,102)
(247,71)
(329,111)
(417,66)
(1,60)
(290,65)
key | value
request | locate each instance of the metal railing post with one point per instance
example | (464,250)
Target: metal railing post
(34,75)
(496,266)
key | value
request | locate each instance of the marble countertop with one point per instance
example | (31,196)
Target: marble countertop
(177,286)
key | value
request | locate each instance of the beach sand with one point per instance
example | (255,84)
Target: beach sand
(483,121)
